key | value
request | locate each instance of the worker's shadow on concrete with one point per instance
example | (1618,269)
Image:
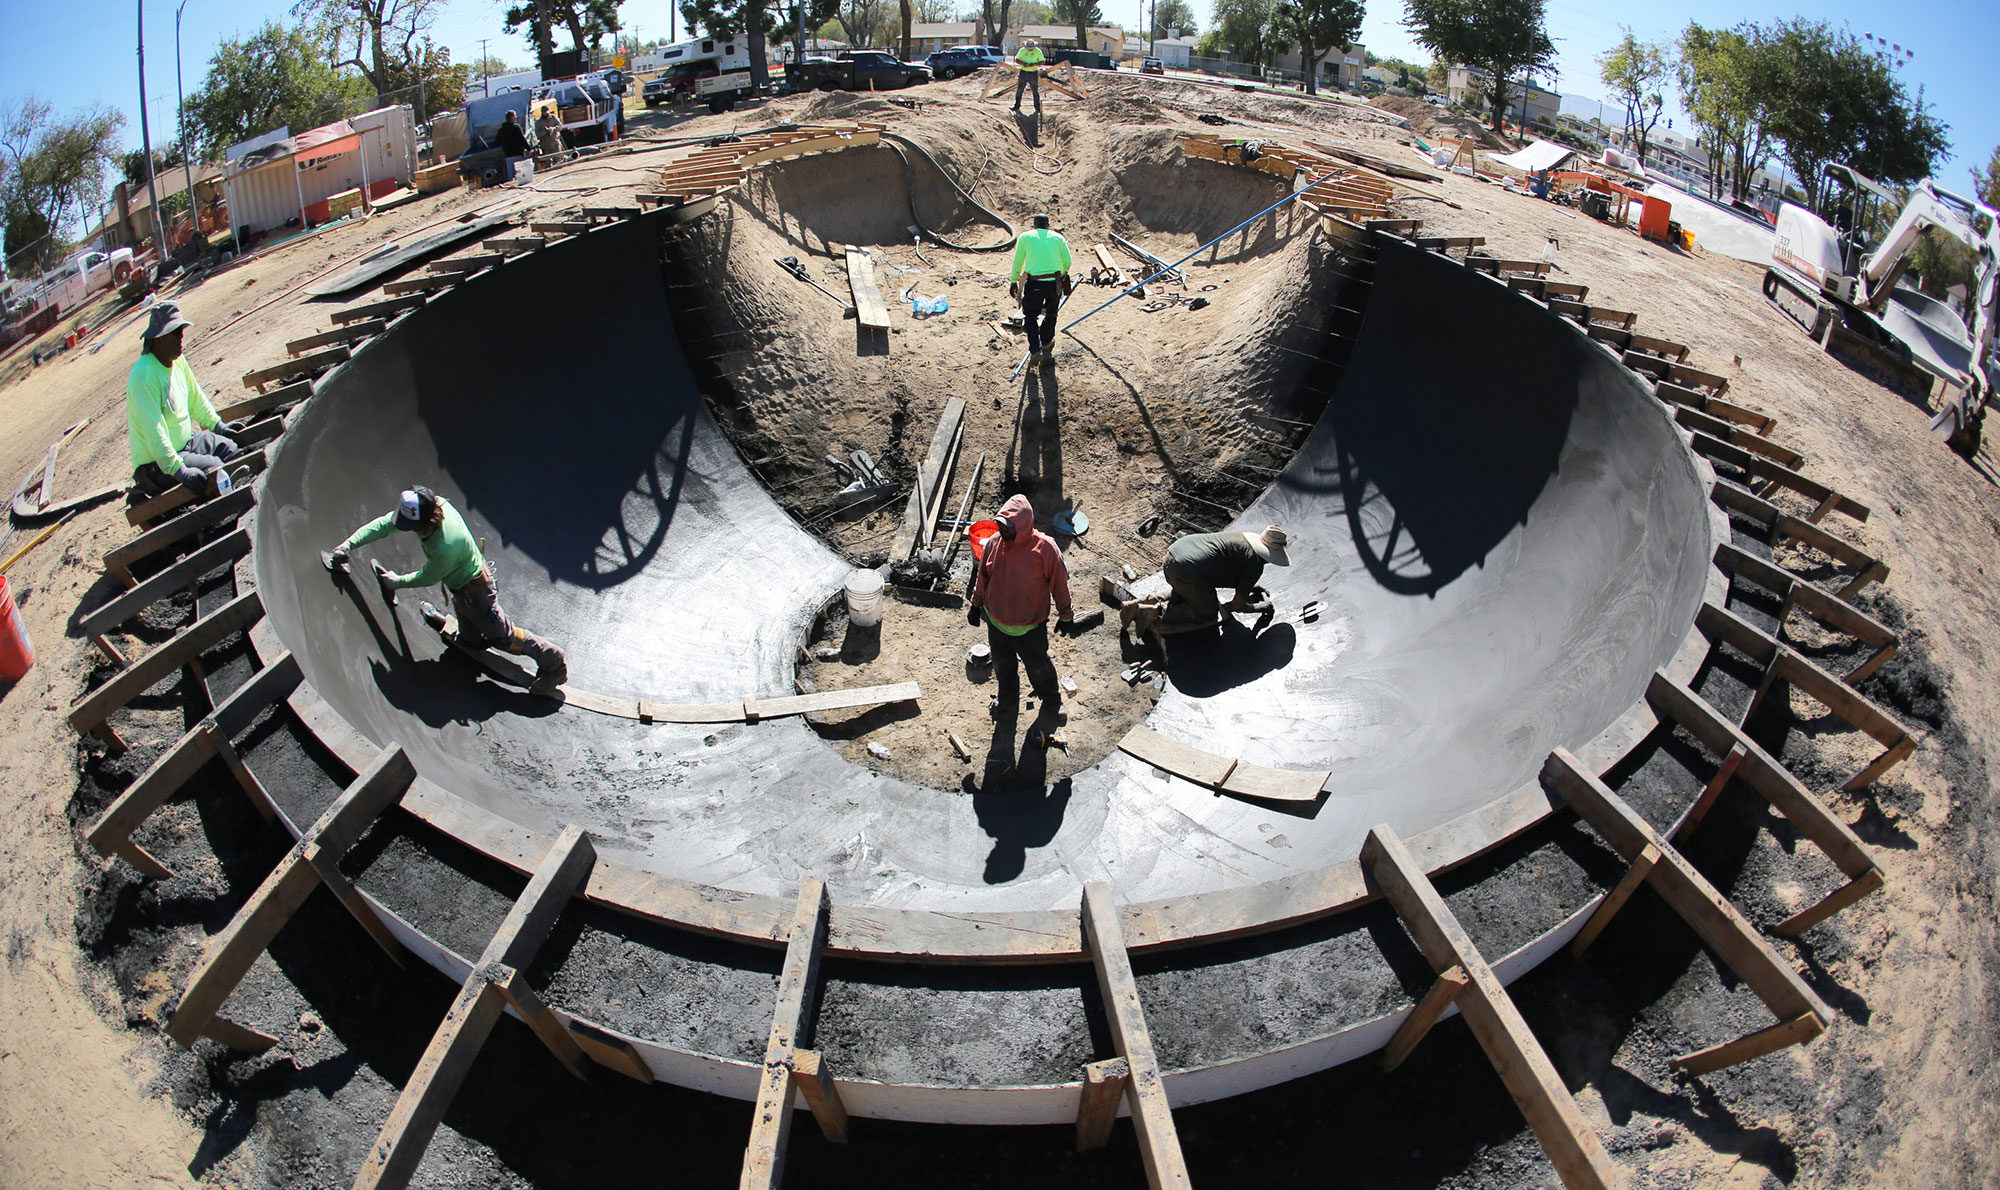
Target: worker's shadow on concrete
(439,690)
(1014,803)
(1034,454)
(1204,664)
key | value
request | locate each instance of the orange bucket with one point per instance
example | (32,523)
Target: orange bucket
(17,653)
(979,532)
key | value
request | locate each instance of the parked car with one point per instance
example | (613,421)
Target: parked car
(855,70)
(1152,66)
(961,60)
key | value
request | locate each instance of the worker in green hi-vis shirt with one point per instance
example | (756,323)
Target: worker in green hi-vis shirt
(1040,281)
(453,558)
(1029,59)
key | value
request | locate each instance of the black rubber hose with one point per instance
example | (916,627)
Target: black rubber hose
(897,144)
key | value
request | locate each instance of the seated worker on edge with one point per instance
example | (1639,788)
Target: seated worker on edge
(168,419)
(1022,570)
(1200,562)
(452,557)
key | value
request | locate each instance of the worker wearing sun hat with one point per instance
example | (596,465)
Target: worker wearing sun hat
(1029,59)
(452,557)
(1201,562)
(171,426)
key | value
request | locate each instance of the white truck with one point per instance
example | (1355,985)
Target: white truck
(710,70)
(76,279)
(1849,286)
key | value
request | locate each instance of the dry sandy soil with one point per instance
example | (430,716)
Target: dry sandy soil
(1900,1091)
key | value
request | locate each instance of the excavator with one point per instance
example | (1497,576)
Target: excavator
(1849,288)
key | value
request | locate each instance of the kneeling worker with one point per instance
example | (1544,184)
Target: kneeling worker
(172,428)
(452,557)
(1200,562)
(1020,572)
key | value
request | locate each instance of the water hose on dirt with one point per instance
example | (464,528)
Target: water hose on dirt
(897,144)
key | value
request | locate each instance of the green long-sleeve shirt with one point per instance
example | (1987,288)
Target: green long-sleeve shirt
(450,553)
(1039,253)
(163,408)
(1030,58)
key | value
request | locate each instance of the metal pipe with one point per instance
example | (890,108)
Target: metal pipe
(1138,285)
(146,144)
(180,118)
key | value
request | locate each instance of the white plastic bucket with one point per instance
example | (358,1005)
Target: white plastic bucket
(864,598)
(524,172)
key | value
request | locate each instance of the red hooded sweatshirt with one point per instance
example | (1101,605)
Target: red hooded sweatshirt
(1018,578)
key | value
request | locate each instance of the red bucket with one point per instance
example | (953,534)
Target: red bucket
(979,531)
(17,653)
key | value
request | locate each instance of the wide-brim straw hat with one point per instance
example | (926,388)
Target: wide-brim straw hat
(1270,545)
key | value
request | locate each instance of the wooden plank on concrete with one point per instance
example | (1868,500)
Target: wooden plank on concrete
(227,956)
(1172,756)
(1275,785)
(869,308)
(90,711)
(791,1027)
(755,709)
(1578,1156)
(1152,1118)
(393,1159)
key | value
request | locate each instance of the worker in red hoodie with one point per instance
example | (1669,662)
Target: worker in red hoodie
(1021,572)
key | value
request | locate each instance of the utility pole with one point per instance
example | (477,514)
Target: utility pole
(485,71)
(1152,31)
(180,96)
(146,146)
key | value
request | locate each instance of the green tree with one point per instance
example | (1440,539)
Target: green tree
(1986,182)
(379,38)
(56,167)
(429,83)
(489,67)
(1505,38)
(1637,73)
(275,78)
(1832,101)
(1248,30)
(1082,15)
(1173,18)
(863,22)
(1317,26)
(1726,81)
(757,20)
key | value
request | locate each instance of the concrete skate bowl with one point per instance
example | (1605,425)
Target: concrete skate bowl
(1508,533)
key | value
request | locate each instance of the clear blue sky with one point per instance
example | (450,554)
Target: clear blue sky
(75,52)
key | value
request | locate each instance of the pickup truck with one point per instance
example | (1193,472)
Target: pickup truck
(855,70)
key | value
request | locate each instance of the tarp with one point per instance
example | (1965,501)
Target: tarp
(329,141)
(1538,156)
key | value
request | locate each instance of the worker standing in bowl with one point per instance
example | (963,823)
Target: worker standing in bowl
(1028,61)
(1019,573)
(452,557)
(1040,282)
(174,432)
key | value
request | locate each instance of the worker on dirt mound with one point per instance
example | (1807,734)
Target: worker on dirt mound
(452,557)
(1040,282)
(1199,563)
(172,428)
(1029,59)
(1018,574)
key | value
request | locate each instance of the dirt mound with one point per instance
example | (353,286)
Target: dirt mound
(1431,121)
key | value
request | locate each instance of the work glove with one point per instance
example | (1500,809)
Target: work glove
(335,559)
(1068,283)
(230,429)
(1014,290)
(1066,627)
(972,614)
(384,580)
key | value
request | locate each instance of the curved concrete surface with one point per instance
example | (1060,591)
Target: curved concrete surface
(1507,528)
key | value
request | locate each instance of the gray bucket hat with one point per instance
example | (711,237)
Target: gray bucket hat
(166,320)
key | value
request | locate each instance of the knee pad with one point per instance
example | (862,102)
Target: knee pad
(517,641)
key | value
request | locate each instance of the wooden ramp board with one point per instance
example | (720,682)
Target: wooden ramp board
(1223,773)
(869,308)
(1145,1090)
(398,258)
(932,475)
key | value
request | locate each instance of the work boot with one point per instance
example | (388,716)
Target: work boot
(999,710)
(549,678)
(435,618)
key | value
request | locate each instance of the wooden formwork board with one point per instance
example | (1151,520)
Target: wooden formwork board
(485,996)
(121,608)
(1775,474)
(264,402)
(869,308)
(1723,929)
(387,309)
(1782,525)
(305,365)
(1783,663)
(91,711)
(430,284)
(227,956)
(1736,435)
(219,511)
(1518,1058)
(345,334)
(1812,817)
(154,507)
(1152,1117)
(791,1027)
(1834,613)
(467,264)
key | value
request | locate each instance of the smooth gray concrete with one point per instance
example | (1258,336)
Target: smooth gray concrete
(1505,526)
